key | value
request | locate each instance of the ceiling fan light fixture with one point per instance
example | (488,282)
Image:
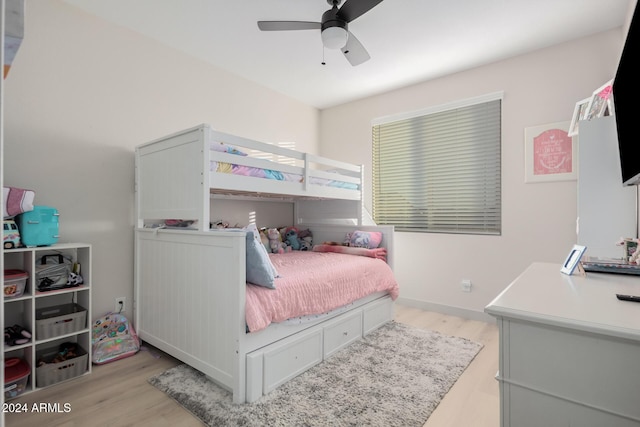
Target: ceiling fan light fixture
(334,28)
(334,37)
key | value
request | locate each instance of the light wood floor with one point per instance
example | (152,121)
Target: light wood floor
(118,394)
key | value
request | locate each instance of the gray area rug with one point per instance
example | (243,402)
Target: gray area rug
(395,376)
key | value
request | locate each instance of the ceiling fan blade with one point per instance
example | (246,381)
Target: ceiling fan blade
(354,51)
(288,25)
(352,9)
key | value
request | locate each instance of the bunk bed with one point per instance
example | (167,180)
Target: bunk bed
(191,288)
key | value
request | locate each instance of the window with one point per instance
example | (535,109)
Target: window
(439,171)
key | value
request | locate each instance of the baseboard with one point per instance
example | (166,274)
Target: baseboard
(447,309)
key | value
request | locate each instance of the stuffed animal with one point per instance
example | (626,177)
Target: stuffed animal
(275,241)
(306,240)
(75,279)
(291,238)
(264,238)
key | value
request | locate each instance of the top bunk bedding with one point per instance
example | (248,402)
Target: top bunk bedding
(272,171)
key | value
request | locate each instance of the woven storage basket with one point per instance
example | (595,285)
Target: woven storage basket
(60,320)
(52,373)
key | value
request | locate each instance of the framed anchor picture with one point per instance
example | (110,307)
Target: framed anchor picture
(549,153)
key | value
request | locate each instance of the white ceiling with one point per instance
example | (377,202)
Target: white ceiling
(409,40)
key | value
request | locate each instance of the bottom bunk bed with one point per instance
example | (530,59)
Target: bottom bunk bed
(192,300)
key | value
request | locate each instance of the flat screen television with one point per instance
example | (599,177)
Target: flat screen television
(626,95)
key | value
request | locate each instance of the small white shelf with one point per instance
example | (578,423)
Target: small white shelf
(22,310)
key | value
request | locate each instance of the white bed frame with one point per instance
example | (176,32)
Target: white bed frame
(173,178)
(189,295)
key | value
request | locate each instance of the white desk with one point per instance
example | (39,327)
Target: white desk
(569,349)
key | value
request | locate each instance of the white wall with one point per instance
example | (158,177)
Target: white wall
(82,94)
(538,219)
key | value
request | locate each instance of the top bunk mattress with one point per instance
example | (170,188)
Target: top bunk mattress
(315,283)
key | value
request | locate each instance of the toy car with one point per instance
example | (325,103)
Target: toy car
(10,234)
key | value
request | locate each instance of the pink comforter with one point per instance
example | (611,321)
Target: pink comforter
(315,283)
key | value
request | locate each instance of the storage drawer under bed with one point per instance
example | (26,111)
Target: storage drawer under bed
(277,363)
(342,332)
(289,360)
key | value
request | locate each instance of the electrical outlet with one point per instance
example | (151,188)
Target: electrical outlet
(121,305)
(465,285)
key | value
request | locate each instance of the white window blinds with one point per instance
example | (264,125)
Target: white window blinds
(440,172)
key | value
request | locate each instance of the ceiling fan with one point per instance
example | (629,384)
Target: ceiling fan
(334,28)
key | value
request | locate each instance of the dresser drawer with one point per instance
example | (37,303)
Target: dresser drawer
(342,332)
(596,371)
(290,358)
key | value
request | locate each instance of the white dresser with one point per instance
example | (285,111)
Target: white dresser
(569,349)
